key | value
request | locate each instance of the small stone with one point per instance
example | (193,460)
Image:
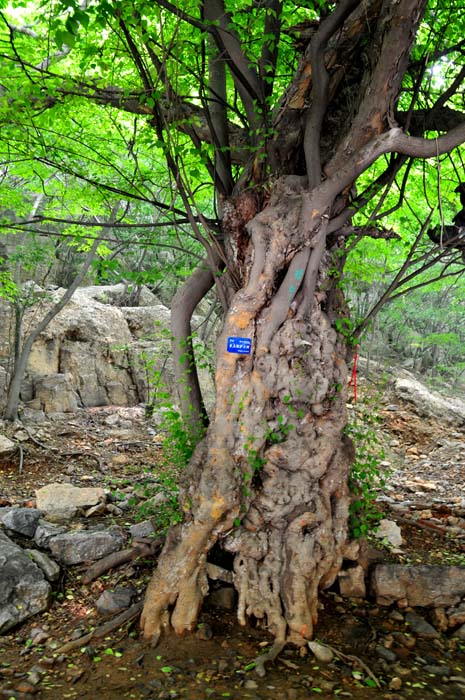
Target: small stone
(113,601)
(250,685)
(48,566)
(439,619)
(395,683)
(204,631)
(322,653)
(437,670)
(386,654)
(396,615)
(142,529)
(460,633)
(95,510)
(390,531)
(35,674)
(113,509)
(38,635)
(6,445)
(420,626)
(405,640)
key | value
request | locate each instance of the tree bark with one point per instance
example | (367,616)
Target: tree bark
(270,479)
(185,370)
(269,482)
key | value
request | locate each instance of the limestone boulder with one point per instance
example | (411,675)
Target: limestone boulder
(422,585)
(100,350)
(56,394)
(23,588)
(7,446)
(80,546)
(23,521)
(62,501)
(450,411)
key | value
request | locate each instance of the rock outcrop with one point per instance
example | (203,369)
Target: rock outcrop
(450,411)
(24,590)
(95,352)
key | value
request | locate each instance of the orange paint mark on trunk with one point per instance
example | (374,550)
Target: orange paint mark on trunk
(218,507)
(241,319)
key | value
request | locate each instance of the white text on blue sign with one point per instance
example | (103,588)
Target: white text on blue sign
(241,346)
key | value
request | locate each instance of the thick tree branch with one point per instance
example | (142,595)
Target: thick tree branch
(183,306)
(395,34)
(270,50)
(217,113)
(320,78)
(245,78)
(392,141)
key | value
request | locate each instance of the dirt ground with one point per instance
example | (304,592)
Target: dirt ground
(216,661)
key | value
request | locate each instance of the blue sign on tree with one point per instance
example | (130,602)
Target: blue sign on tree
(241,346)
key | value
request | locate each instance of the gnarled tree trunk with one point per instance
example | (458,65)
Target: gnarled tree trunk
(269,481)
(270,478)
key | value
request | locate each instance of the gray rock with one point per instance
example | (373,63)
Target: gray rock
(38,636)
(48,566)
(95,510)
(352,582)
(6,445)
(62,501)
(23,588)
(142,529)
(32,415)
(45,531)
(113,601)
(114,509)
(21,520)
(430,404)
(437,670)
(421,627)
(418,586)
(386,654)
(460,632)
(93,353)
(321,652)
(390,531)
(85,545)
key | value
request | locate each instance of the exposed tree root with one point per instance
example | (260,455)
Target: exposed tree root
(101,631)
(271,655)
(115,559)
(179,583)
(355,660)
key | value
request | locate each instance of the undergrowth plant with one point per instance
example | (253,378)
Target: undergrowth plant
(178,438)
(366,477)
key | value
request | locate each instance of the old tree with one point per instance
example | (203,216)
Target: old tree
(283,108)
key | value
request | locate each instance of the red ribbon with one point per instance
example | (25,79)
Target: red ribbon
(353,378)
